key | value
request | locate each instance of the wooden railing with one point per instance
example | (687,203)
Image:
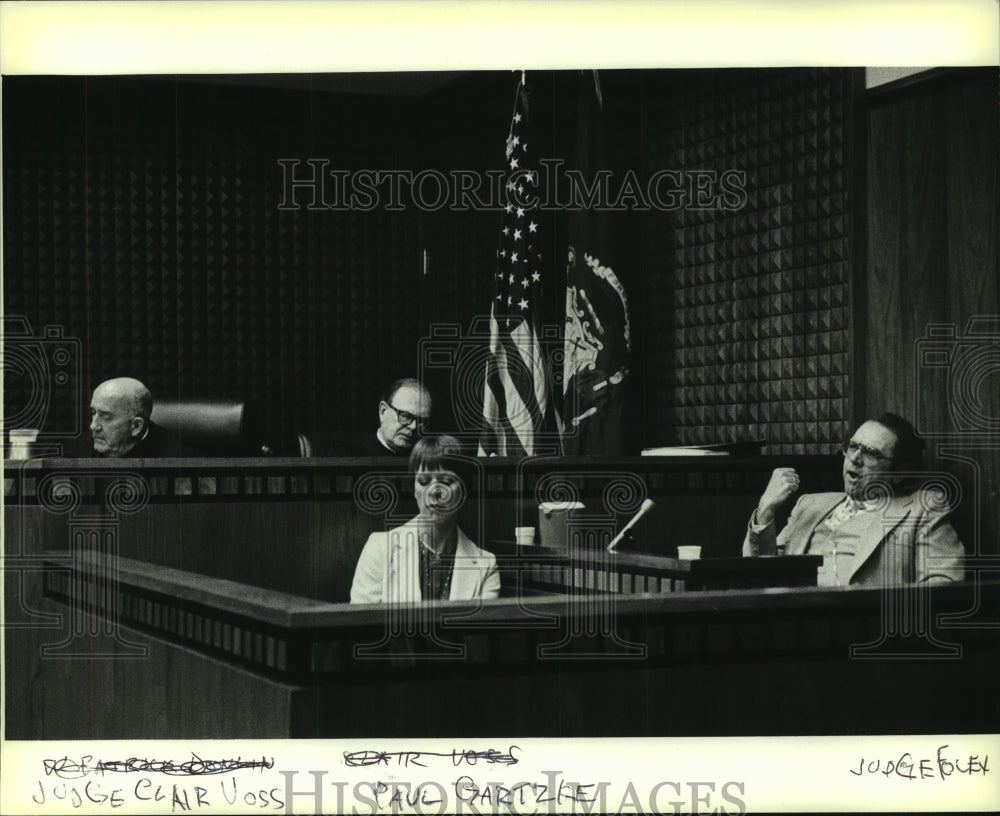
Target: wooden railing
(224,659)
(294,478)
(298,525)
(291,637)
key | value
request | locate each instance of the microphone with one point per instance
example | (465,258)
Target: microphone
(647,505)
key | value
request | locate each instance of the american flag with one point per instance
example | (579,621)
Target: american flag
(516,392)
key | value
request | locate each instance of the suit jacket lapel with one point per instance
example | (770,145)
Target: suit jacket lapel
(464,576)
(404,569)
(879,526)
(820,509)
(404,565)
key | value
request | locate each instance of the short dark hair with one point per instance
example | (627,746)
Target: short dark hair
(442,452)
(908,453)
(411,382)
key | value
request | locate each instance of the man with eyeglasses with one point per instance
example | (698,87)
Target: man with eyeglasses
(883,529)
(404,413)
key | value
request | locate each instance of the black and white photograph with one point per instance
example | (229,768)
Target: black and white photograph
(508,435)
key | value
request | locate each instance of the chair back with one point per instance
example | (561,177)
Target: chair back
(213,427)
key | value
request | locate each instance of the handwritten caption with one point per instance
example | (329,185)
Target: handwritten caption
(71,780)
(87,782)
(67,768)
(941,766)
(208,785)
(361,759)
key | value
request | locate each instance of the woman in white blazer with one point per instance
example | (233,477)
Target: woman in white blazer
(429,557)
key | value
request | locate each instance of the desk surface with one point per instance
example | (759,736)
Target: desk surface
(502,475)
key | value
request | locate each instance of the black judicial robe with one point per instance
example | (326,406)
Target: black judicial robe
(362,444)
(160,443)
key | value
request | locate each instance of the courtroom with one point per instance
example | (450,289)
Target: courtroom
(477,403)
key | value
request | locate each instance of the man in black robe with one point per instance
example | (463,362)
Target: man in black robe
(120,424)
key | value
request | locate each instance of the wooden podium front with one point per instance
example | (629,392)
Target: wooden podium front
(594,569)
(180,655)
(204,598)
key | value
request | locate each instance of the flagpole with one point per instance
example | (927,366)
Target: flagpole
(517,387)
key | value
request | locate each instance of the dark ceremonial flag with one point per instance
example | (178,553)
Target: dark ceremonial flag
(597,341)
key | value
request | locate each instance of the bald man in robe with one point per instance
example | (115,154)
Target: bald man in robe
(120,424)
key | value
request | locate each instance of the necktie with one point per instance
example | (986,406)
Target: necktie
(843,512)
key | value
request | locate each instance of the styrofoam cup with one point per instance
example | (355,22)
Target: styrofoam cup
(525,536)
(21,440)
(689,553)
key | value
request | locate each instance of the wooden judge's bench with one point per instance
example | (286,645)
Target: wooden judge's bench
(207,598)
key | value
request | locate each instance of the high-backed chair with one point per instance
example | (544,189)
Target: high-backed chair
(211,426)
(305,444)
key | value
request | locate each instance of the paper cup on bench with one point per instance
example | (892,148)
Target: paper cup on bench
(689,553)
(21,440)
(525,536)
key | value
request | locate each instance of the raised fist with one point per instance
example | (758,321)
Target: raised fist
(784,482)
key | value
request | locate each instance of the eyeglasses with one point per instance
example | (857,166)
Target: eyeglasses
(406,418)
(869,456)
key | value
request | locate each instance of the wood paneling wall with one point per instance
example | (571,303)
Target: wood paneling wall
(930,267)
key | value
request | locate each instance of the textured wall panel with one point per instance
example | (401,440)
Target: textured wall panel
(147,226)
(755,344)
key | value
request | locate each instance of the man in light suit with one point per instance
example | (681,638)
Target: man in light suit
(879,531)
